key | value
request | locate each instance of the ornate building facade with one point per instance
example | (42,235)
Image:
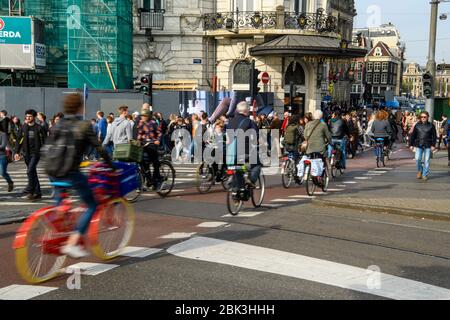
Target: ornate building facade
(304,46)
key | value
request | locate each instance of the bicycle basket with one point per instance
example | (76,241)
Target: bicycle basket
(127,176)
(104,182)
(131,152)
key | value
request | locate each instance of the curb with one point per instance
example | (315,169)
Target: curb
(12,220)
(432,215)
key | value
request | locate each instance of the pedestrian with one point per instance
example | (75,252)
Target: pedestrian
(423,140)
(4,145)
(4,121)
(102,125)
(42,121)
(30,144)
(56,119)
(443,128)
(16,128)
(121,131)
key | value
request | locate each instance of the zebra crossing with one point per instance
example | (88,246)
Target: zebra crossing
(185,175)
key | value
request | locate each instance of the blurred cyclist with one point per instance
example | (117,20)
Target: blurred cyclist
(83,137)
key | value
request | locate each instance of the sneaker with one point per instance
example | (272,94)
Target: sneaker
(419,175)
(36,197)
(425,178)
(75,252)
(27,196)
(10,186)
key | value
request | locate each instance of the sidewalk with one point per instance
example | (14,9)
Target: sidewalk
(399,192)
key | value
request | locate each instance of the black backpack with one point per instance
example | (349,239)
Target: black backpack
(59,151)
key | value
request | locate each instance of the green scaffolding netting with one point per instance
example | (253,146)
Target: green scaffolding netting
(83,37)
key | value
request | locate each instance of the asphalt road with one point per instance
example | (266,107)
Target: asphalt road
(288,249)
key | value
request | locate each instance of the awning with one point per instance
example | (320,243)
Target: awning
(302,45)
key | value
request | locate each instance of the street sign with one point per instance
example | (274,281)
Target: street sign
(265,77)
(197,61)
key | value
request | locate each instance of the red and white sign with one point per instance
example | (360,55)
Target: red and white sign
(265,77)
(2,24)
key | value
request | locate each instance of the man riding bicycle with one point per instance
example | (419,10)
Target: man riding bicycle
(150,136)
(242,121)
(339,132)
(83,138)
(318,137)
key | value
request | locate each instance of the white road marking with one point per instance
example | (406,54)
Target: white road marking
(285,200)
(350,182)
(90,269)
(138,252)
(379,172)
(302,196)
(25,203)
(363,178)
(272,205)
(335,190)
(341,185)
(184,179)
(178,235)
(372,174)
(306,268)
(177,190)
(211,224)
(244,214)
(23,292)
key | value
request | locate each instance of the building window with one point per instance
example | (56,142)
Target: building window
(359,76)
(299,6)
(295,74)
(377,67)
(245,5)
(369,66)
(241,72)
(369,78)
(360,65)
(384,78)
(152,4)
(376,78)
(385,67)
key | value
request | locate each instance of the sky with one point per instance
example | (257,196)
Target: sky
(412,19)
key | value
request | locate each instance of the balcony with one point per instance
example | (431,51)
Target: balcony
(152,19)
(272,22)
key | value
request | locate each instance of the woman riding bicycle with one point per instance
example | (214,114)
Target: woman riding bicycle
(381,128)
(318,136)
(84,137)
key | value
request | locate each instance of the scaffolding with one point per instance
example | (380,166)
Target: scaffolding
(54,14)
(88,41)
(100,44)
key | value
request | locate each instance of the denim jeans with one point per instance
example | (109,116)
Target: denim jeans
(79,183)
(426,154)
(342,142)
(4,169)
(33,186)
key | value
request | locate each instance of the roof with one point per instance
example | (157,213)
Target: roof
(386,52)
(307,45)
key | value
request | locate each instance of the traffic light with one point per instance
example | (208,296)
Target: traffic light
(146,84)
(254,81)
(427,80)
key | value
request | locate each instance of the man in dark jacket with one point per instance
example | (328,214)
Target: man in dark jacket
(423,139)
(242,121)
(30,144)
(84,138)
(339,132)
(4,122)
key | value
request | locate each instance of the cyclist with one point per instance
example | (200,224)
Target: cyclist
(339,132)
(318,137)
(242,121)
(293,136)
(84,137)
(381,128)
(150,136)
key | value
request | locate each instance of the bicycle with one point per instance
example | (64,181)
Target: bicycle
(241,191)
(312,180)
(380,152)
(41,236)
(336,160)
(144,180)
(206,177)
(289,170)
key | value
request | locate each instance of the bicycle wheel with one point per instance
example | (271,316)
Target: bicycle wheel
(259,191)
(334,169)
(134,195)
(233,205)
(204,178)
(168,175)
(35,261)
(226,182)
(111,228)
(310,185)
(287,175)
(325,180)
